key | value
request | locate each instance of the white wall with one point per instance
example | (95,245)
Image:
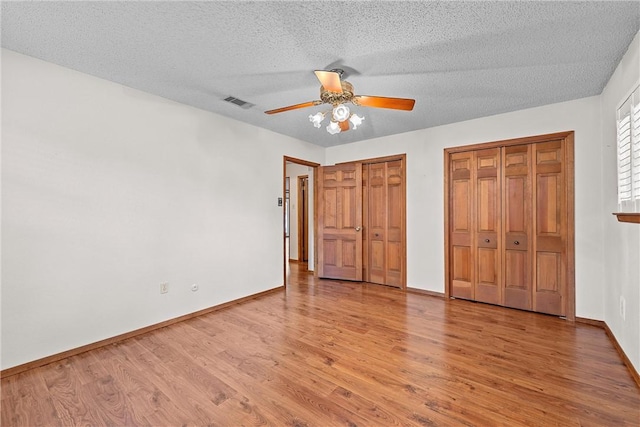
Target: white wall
(108,191)
(621,240)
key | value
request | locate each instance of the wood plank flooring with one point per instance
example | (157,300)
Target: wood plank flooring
(325,353)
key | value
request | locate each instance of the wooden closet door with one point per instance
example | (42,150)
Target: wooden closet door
(396,202)
(516,200)
(488,239)
(376,230)
(509,213)
(550,228)
(385,218)
(461,271)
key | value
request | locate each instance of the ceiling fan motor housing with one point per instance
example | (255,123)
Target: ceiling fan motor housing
(335,98)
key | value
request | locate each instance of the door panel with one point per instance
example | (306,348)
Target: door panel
(550,229)
(340,214)
(488,286)
(461,279)
(462,204)
(460,220)
(517,226)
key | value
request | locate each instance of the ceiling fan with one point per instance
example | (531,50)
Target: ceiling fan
(337,92)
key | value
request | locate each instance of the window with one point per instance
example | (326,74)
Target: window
(628,138)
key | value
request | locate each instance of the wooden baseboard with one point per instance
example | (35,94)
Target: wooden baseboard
(598,323)
(625,359)
(425,292)
(75,351)
(616,344)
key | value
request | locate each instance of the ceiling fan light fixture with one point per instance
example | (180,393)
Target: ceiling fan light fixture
(356,120)
(337,92)
(333,128)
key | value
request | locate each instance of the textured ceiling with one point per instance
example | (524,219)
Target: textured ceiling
(459,60)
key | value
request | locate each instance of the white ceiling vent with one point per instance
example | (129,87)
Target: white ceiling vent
(239,102)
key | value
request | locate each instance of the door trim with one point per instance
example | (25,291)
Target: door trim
(383,159)
(568,138)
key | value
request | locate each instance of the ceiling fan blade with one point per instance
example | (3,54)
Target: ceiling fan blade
(344,125)
(294,107)
(383,102)
(330,80)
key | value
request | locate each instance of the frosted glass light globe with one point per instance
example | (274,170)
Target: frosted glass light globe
(316,119)
(356,120)
(341,113)
(333,128)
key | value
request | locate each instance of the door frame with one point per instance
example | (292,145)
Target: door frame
(314,165)
(568,138)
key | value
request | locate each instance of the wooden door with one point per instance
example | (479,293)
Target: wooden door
(340,221)
(384,205)
(550,228)
(516,201)
(487,239)
(462,273)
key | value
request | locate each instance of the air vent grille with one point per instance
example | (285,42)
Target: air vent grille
(239,102)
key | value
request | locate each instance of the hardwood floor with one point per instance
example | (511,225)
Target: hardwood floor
(326,353)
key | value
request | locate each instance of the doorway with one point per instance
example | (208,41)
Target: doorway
(298,215)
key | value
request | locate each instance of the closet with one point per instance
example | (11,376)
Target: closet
(509,223)
(361,221)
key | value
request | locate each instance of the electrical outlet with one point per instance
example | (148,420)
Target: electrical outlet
(164,287)
(623,307)
(194,287)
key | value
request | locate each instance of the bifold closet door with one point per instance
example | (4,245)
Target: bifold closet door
(517,224)
(510,238)
(384,206)
(461,225)
(487,239)
(551,230)
(476,240)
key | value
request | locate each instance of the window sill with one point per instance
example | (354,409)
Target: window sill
(628,217)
